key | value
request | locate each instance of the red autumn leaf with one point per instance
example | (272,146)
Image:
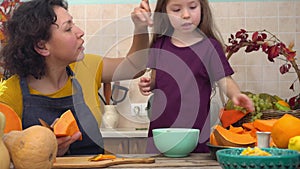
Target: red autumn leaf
(264,35)
(265,46)
(239,34)
(291,56)
(289,53)
(284,68)
(249,48)
(273,51)
(5,4)
(282,45)
(243,30)
(255,36)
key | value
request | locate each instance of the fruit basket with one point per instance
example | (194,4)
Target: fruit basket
(267,114)
(266,107)
(280,158)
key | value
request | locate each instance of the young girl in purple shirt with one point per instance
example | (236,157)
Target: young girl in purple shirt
(186,58)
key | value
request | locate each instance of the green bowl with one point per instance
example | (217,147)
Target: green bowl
(280,159)
(175,142)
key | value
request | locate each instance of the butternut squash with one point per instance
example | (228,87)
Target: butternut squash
(13,122)
(66,125)
(226,137)
(264,125)
(4,155)
(34,147)
(285,128)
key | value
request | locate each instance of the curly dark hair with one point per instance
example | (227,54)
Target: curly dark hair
(29,24)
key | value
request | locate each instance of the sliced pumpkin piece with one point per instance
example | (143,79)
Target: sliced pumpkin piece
(264,125)
(228,117)
(101,157)
(238,130)
(248,126)
(66,125)
(13,121)
(212,139)
(228,138)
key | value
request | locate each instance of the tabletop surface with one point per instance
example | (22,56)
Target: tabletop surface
(195,160)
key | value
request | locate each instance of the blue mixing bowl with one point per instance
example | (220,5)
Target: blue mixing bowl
(280,159)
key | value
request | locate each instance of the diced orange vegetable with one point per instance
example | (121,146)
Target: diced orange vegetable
(101,157)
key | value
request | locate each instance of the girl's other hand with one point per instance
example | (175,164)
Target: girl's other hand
(64,143)
(145,86)
(243,101)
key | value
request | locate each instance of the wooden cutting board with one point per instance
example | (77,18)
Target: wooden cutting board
(83,162)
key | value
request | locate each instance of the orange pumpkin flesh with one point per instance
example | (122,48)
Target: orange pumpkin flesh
(238,130)
(284,128)
(226,137)
(66,125)
(264,125)
(228,117)
(13,122)
(212,140)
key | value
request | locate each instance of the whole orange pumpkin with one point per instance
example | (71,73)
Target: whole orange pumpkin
(285,128)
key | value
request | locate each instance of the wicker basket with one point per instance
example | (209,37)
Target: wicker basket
(268,114)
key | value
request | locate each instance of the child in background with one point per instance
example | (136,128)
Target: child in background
(186,58)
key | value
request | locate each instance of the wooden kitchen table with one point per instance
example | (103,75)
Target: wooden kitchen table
(140,161)
(194,161)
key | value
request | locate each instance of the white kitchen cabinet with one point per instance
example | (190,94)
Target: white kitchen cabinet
(125,145)
(125,141)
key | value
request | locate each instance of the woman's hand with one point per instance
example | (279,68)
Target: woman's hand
(64,143)
(141,16)
(145,86)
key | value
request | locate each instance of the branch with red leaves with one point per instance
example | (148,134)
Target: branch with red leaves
(6,9)
(272,46)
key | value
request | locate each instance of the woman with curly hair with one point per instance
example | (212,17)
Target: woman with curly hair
(50,73)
